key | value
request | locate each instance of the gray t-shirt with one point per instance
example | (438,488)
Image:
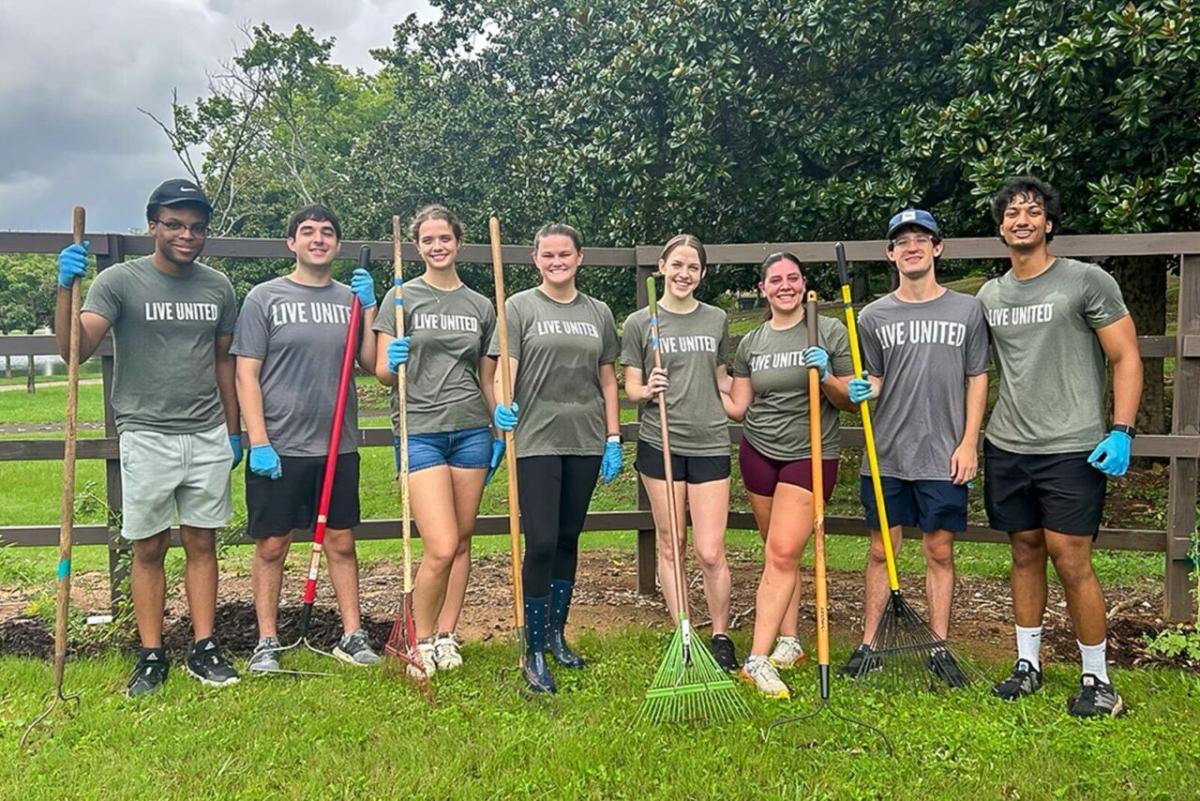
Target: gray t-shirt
(1051,365)
(777,420)
(693,346)
(164,331)
(450,332)
(299,334)
(923,352)
(559,348)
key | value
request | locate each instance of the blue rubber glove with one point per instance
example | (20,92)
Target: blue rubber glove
(72,264)
(1111,456)
(397,353)
(505,418)
(497,457)
(613,461)
(861,389)
(363,285)
(264,461)
(235,445)
(816,356)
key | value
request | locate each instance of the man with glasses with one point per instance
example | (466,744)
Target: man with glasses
(925,351)
(176,412)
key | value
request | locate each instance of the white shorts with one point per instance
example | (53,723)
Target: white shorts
(168,477)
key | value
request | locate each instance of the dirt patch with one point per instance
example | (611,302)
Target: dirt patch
(606,600)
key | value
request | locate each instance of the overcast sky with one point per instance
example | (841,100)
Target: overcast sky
(74,74)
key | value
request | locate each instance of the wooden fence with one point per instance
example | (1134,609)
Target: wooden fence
(1181,446)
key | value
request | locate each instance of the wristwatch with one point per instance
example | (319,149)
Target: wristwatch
(1124,429)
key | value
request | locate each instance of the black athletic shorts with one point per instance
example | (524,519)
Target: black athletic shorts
(692,469)
(1058,491)
(275,508)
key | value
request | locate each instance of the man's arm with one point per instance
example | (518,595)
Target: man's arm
(92,328)
(1119,342)
(964,462)
(249,395)
(366,350)
(226,384)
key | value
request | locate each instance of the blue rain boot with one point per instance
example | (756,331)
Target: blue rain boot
(537,673)
(560,607)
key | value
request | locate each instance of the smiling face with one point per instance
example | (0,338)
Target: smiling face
(1025,225)
(557,259)
(315,244)
(437,244)
(913,250)
(682,271)
(783,286)
(183,245)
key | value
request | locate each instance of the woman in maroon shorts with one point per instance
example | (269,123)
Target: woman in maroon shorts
(770,392)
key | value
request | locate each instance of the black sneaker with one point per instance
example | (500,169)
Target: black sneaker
(943,665)
(1025,680)
(149,673)
(722,651)
(204,662)
(862,661)
(1096,699)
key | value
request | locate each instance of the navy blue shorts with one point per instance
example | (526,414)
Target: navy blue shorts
(469,449)
(930,505)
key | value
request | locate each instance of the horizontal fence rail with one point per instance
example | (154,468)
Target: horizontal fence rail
(1181,446)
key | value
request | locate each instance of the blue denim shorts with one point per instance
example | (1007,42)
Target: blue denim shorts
(470,449)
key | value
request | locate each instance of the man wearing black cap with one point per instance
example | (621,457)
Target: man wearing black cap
(176,411)
(925,351)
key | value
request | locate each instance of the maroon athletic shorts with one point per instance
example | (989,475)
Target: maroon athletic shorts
(762,473)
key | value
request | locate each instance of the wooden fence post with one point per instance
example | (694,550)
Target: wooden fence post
(1185,419)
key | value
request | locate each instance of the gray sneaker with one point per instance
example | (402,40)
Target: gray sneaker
(353,649)
(265,658)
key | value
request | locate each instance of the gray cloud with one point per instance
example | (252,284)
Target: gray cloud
(75,74)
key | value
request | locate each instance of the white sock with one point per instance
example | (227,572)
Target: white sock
(1029,645)
(1093,658)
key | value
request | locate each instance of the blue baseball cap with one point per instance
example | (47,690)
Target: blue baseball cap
(918,217)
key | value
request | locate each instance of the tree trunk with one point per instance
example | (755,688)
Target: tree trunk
(1143,283)
(30,386)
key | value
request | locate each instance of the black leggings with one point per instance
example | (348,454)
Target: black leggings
(554,492)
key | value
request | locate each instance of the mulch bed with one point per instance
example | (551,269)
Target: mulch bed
(606,600)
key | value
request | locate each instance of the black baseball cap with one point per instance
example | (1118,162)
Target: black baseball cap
(177,192)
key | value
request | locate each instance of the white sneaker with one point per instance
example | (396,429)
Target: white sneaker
(761,673)
(446,653)
(425,650)
(788,653)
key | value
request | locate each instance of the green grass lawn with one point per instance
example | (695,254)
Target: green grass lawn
(361,736)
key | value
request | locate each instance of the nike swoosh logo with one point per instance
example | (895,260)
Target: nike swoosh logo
(186,189)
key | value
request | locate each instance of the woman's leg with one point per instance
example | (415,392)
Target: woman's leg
(432,499)
(709,503)
(788,530)
(578,483)
(468,490)
(540,488)
(656,490)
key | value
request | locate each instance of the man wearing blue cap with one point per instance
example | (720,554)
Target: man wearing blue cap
(1048,454)
(925,351)
(176,411)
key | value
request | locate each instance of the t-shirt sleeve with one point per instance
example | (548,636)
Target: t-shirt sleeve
(610,348)
(723,343)
(252,333)
(838,346)
(632,338)
(1102,301)
(385,318)
(227,322)
(487,326)
(741,360)
(104,297)
(978,352)
(514,325)
(867,337)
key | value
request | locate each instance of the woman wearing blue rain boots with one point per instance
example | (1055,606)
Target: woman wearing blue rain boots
(562,348)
